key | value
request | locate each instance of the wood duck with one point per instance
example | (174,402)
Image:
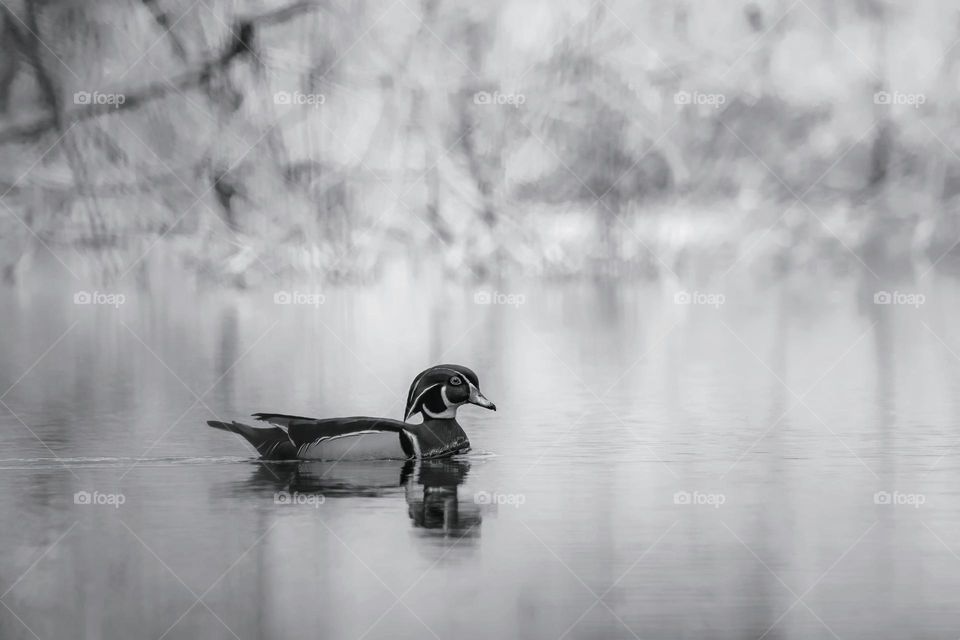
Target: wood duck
(436,393)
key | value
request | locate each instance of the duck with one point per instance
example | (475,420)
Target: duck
(436,394)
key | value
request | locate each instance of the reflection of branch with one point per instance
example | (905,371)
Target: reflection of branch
(237,46)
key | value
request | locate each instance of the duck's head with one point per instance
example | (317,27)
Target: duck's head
(439,391)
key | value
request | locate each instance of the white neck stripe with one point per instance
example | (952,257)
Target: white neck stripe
(414,403)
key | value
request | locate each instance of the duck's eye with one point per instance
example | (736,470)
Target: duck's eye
(456,381)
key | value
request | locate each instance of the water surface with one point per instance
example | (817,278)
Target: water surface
(654,470)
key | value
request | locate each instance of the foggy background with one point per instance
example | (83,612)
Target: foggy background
(247,141)
(702,256)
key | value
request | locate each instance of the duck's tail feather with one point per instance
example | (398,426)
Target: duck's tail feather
(272,443)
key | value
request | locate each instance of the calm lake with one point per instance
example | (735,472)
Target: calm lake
(775,459)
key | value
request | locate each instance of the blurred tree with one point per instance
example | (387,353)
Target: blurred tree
(203,157)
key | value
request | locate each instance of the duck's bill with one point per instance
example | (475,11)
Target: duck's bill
(479,399)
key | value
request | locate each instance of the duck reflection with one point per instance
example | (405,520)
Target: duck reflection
(433,502)
(428,486)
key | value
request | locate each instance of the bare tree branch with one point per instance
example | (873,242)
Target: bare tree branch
(135,98)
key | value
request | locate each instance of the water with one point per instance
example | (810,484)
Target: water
(654,469)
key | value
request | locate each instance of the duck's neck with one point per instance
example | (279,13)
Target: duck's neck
(439,436)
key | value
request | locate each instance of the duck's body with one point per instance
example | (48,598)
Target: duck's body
(356,438)
(436,393)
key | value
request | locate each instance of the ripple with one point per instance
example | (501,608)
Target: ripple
(110,462)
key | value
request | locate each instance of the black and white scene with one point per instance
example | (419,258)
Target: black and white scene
(459,319)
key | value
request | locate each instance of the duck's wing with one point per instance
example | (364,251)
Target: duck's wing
(356,438)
